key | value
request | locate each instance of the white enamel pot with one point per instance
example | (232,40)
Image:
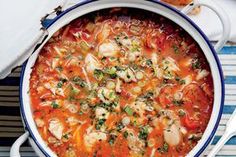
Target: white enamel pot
(157,7)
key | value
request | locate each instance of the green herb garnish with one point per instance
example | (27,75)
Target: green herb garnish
(66,136)
(181,113)
(149,62)
(178,102)
(59,84)
(143,133)
(181,81)
(112,139)
(111,71)
(176,49)
(99,123)
(125,134)
(54,105)
(98,74)
(164,148)
(119,126)
(196,64)
(129,110)
(79,81)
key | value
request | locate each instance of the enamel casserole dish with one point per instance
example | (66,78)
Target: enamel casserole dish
(156,7)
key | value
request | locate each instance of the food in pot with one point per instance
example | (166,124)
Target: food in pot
(115,83)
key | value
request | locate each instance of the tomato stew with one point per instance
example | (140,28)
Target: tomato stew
(120,83)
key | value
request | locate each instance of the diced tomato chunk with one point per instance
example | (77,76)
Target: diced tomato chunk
(105,151)
(155,41)
(160,41)
(166,96)
(164,100)
(190,123)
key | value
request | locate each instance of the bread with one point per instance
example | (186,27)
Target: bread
(182,3)
(178,2)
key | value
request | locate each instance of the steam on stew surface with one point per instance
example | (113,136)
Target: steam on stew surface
(121,83)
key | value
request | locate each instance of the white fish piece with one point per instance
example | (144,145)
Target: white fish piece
(126,42)
(91,137)
(127,75)
(169,67)
(139,108)
(39,122)
(188,79)
(72,108)
(118,84)
(183,130)
(101,95)
(172,127)
(126,121)
(131,74)
(74,121)
(92,63)
(131,56)
(101,113)
(56,128)
(153,152)
(55,62)
(172,135)
(134,143)
(123,75)
(52,86)
(70,153)
(154,58)
(201,74)
(158,72)
(108,49)
(170,64)
(178,95)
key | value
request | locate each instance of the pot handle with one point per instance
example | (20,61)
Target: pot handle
(15,149)
(219,12)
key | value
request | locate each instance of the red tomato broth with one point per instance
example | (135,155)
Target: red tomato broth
(116,83)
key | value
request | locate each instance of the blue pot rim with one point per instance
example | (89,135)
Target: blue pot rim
(27,125)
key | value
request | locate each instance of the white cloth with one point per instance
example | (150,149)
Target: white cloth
(210,23)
